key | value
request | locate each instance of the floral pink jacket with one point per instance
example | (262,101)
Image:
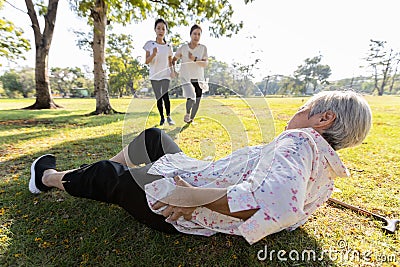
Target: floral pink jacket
(286,180)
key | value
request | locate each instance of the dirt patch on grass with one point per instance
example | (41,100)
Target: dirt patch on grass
(26,122)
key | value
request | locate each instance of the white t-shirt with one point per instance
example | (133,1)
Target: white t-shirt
(159,66)
(190,69)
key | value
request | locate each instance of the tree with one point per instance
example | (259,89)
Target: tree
(244,73)
(312,72)
(44,100)
(64,79)
(383,61)
(271,84)
(12,44)
(394,75)
(220,79)
(17,83)
(27,79)
(129,77)
(2,91)
(125,71)
(360,84)
(323,72)
(101,12)
(11,84)
(291,85)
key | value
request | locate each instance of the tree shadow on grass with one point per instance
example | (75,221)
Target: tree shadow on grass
(56,229)
(20,118)
(41,126)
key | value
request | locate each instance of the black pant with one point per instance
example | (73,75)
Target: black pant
(160,89)
(112,182)
(192,105)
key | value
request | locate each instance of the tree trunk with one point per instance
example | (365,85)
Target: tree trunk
(99,16)
(376,87)
(314,86)
(385,77)
(44,99)
(394,77)
(266,86)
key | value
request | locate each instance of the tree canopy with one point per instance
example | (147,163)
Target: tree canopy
(312,73)
(19,83)
(101,13)
(125,71)
(12,44)
(384,62)
(176,12)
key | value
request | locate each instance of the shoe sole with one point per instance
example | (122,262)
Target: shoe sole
(32,182)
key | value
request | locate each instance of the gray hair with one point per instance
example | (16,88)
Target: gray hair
(353,117)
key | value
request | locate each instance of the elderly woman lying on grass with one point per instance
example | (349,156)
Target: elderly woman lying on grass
(254,192)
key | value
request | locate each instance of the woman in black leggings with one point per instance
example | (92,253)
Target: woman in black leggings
(159,58)
(194,58)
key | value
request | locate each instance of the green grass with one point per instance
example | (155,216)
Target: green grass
(55,229)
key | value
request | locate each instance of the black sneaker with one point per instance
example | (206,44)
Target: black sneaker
(38,167)
(162,121)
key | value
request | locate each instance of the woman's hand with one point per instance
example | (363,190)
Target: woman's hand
(186,198)
(176,202)
(174,74)
(155,50)
(174,213)
(191,57)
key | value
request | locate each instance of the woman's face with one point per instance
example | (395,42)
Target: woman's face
(195,36)
(160,30)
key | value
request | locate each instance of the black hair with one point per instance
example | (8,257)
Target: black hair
(164,22)
(195,27)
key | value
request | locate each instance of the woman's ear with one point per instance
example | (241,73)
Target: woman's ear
(325,120)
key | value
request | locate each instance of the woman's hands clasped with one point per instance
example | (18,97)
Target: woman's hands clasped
(177,203)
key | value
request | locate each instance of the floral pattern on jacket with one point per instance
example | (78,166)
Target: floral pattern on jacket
(286,180)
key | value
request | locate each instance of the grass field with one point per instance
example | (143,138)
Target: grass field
(55,229)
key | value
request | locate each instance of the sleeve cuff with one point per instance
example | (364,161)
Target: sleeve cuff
(257,227)
(240,197)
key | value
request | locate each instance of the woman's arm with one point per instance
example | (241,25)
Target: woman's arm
(149,57)
(202,62)
(176,58)
(171,66)
(185,198)
(221,205)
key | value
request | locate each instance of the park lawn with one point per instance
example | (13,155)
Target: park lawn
(55,229)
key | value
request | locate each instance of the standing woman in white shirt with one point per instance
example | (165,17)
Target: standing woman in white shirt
(194,60)
(159,57)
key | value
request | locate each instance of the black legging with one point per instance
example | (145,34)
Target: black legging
(160,89)
(112,182)
(192,105)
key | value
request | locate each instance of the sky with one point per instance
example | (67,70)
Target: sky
(281,33)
